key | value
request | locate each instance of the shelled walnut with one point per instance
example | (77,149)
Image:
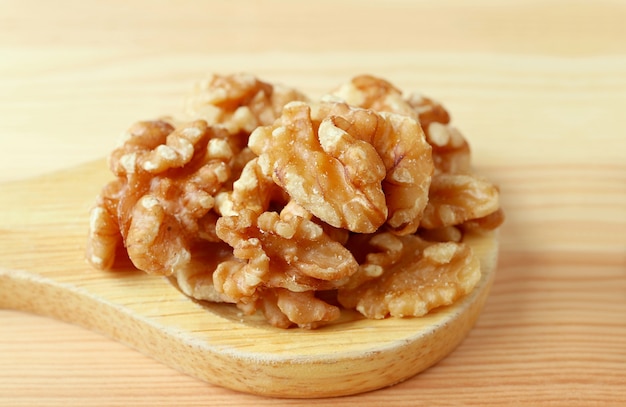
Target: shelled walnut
(263,198)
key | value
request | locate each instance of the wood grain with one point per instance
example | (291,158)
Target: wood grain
(537,87)
(45,273)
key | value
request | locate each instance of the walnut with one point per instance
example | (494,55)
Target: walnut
(167,179)
(428,110)
(239,102)
(374,93)
(284,308)
(352,168)
(423,277)
(141,137)
(457,198)
(286,250)
(104,230)
(340,184)
(370,92)
(451,152)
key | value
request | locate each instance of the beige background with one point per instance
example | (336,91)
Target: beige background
(539,89)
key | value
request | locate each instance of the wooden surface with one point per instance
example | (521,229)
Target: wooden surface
(539,89)
(44,272)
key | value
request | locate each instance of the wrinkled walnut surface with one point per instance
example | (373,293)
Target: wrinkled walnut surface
(295,208)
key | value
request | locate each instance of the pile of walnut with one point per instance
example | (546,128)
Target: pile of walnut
(298,208)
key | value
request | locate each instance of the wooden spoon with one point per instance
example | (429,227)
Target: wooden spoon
(43,230)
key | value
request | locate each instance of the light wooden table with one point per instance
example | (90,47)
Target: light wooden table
(539,89)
